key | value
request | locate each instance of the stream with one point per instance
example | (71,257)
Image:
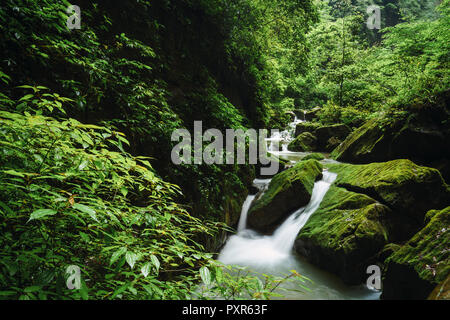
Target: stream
(274,254)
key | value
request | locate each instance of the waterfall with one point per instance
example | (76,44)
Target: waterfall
(246,206)
(249,248)
(284,237)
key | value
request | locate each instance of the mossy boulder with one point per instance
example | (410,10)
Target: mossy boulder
(405,187)
(367,210)
(365,144)
(413,271)
(303,127)
(287,192)
(282,165)
(338,132)
(304,142)
(442,291)
(381,140)
(312,114)
(344,235)
(315,156)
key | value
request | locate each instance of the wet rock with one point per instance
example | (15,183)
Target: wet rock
(287,192)
(344,235)
(367,210)
(306,127)
(380,140)
(337,133)
(304,142)
(312,114)
(414,270)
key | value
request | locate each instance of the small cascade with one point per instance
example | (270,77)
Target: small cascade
(250,248)
(284,237)
(283,138)
(243,219)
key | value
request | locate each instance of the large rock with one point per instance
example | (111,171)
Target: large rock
(304,142)
(287,192)
(366,211)
(442,291)
(344,235)
(312,114)
(337,132)
(381,140)
(405,187)
(303,127)
(414,270)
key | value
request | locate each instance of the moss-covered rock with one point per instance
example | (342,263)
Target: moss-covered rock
(303,127)
(315,156)
(304,142)
(338,131)
(442,291)
(312,114)
(405,187)
(287,192)
(366,211)
(387,139)
(344,235)
(413,271)
(282,165)
(366,144)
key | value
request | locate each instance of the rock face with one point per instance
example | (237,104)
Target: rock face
(442,291)
(345,233)
(325,138)
(306,127)
(337,133)
(312,114)
(414,270)
(304,142)
(402,185)
(378,140)
(367,208)
(287,192)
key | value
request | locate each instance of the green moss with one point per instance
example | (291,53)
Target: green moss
(306,127)
(344,233)
(400,184)
(428,251)
(304,142)
(361,144)
(342,217)
(288,191)
(315,156)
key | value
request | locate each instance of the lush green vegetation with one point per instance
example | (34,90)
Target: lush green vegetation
(86,118)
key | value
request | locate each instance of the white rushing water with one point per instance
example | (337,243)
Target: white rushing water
(274,254)
(248,248)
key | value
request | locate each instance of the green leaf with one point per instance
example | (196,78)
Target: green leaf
(40,213)
(81,207)
(131,258)
(145,270)
(32,289)
(26,97)
(84,291)
(124,191)
(155,262)
(116,255)
(205,274)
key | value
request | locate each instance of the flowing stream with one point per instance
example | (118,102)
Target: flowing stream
(274,254)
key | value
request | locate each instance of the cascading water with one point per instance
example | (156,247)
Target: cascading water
(251,249)
(245,207)
(274,254)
